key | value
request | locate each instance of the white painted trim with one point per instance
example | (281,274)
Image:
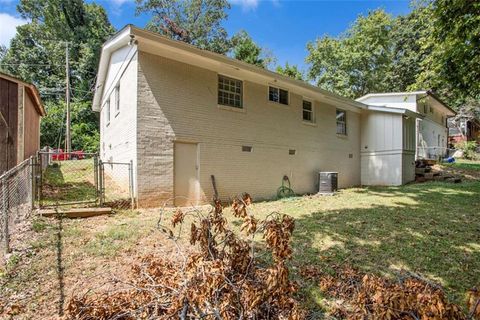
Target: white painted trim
(314,111)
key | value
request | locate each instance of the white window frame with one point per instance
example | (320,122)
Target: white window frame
(344,122)
(312,111)
(107,111)
(117,99)
(228,106)
(278,88)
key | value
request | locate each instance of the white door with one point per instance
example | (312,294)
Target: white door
(186,174)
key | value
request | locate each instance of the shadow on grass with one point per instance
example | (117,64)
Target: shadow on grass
(436,234)
(62,183)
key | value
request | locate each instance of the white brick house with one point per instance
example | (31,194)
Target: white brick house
(182,114)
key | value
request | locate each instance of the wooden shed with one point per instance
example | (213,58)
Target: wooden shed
(20,112)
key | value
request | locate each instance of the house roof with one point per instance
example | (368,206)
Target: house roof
(30,88)
(157,44)
(429,93)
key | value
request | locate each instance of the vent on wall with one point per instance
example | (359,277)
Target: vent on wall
(247,148)
(292,152)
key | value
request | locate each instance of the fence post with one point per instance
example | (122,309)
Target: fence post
(130,178)
(95,174)
(6,235)
(32,184)
(39,182)
(101,181)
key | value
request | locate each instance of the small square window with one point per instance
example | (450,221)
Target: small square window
(278,95)
(307,111)
(230,92)
(247,148)
(292,152)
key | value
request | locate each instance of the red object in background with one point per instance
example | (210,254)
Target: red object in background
(60,155)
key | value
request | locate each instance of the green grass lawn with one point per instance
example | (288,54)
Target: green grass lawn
(465,164)
(69,181)
(431,229)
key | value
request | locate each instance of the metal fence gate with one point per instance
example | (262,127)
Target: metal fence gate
(82,180)
(67,179)
(116,184)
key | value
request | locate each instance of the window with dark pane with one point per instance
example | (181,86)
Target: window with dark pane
(341,122)
(230,92)
(278,95)
(283,96)
(307,111)
(273,94)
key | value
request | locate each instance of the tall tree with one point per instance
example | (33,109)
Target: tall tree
(245,49)
(355,63)
(408,36)
(197,22)
(37,54)
(291,71)
(453,67)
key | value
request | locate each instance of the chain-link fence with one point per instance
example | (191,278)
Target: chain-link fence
(16,200)
(116,184)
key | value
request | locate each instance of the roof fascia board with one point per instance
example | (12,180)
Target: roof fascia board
(405,112)
(390,94)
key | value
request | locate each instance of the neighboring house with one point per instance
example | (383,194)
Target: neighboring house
(20,112)
(463,129)
(431,128)
(183,115)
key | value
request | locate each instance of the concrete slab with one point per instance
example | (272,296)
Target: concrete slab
(75,212)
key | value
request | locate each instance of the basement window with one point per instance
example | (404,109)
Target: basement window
(230,92)
(247,148)
(341,122)
(278,95)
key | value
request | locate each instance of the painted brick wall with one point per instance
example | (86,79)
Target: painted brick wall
(118,139)
(178,102)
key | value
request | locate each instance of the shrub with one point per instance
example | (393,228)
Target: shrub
(468,148)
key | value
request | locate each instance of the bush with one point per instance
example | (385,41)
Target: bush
(468,148)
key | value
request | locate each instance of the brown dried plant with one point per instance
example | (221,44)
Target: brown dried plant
(222,280)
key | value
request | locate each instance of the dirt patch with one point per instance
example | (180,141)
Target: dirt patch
(49,265)
(453,170)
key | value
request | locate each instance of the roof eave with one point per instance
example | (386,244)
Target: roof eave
(118,39)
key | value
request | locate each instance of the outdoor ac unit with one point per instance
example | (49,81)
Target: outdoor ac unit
(327,182)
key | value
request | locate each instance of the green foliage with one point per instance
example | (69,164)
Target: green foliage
(436,46)
(84,128)
(37,54)
(355,63)
(197,22)
(469,149)
(290,71)
(407,36)
(453,67)
(245,49)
